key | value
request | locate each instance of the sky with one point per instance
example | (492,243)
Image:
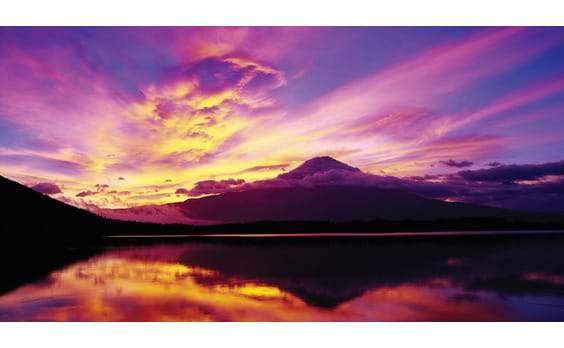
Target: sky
(123,117)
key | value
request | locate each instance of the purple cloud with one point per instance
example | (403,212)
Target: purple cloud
(192,134)
(119,193)
(211,187)
(47,188)
(282,166)
(87,193)
(456,164)
(101,187)
(182,191)
(215,75)
(514,172)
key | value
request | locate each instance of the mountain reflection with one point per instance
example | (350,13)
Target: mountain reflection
(395,279)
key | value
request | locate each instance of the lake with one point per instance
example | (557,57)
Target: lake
(440,277)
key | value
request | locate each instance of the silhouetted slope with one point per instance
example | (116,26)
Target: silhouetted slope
(35,232)
(339,203)
(33,216)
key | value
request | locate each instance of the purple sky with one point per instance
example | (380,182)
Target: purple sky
(119,117)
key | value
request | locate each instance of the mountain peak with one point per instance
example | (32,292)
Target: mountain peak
(317,165)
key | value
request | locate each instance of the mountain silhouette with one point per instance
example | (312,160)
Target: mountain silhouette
(338,204)
(317,165)
(320,189)
(28,212)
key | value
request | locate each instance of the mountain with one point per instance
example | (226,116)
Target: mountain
(339,204)
(320,189)
(317,165)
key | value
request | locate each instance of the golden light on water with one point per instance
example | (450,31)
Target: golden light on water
(122,287)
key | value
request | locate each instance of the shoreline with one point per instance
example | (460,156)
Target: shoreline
(336,234)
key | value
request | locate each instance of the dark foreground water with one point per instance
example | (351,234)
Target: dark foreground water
(402,278)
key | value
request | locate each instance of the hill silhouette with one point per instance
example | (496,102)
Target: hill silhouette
(30,215)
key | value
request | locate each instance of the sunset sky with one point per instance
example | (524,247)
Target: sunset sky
(120,117)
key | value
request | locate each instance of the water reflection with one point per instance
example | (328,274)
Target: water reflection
(411,279)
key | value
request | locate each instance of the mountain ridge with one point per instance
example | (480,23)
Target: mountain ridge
(299,201)
(338,204)
(319,189)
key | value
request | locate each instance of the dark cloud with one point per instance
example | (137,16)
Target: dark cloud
(456,164)
(426,177)
(494,164)
(261,81)
(87,193)
(101,187)
(167,108)
(47,188)
(209,110)
(514,172)
(282,166)
(215,75)
(192,134)
(540,196)
(211,187)
(119,193)
(182,191)
(121,178)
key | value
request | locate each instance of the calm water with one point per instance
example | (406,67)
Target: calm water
(428,278)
